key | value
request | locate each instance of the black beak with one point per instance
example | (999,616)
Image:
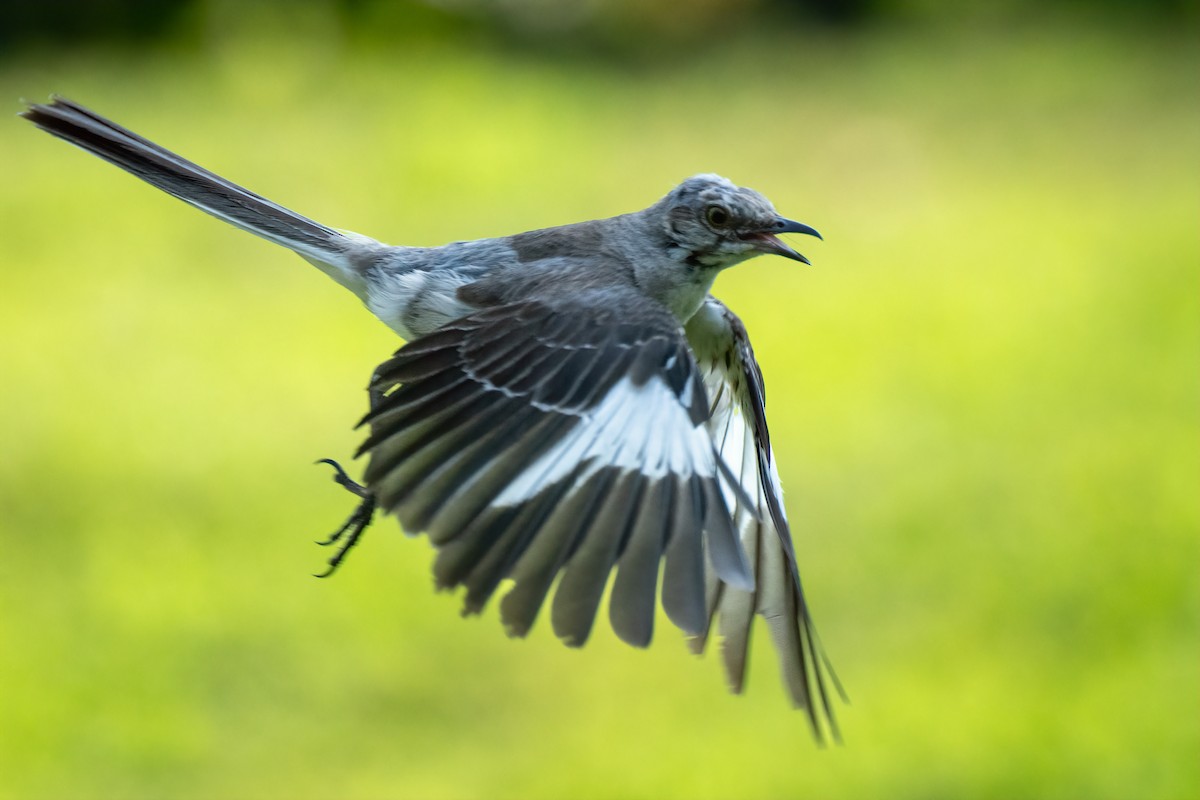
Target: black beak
(768,242)
(791,226)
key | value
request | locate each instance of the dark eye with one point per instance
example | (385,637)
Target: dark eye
(716,216)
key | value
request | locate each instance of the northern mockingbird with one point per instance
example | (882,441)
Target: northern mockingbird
(571,400)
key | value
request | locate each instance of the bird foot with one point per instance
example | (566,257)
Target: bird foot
(352,529)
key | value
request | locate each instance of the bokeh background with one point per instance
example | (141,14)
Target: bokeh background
(985,396)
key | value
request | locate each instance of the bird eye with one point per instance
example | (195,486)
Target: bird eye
(717,217)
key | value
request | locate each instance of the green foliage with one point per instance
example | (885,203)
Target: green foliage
(984,397)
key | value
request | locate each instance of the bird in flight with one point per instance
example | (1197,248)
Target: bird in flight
(571,402)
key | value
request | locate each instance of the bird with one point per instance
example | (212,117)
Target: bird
(572,407)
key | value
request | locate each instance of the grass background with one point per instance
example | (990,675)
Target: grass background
(984,397)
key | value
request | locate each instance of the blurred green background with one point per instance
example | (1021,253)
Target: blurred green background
(985,396)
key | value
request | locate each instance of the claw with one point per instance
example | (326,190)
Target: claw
(342,479)
(333,537)
(355,524)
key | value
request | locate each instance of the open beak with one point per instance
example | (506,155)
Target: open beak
(768,242)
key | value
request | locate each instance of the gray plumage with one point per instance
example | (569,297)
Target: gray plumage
(572,403)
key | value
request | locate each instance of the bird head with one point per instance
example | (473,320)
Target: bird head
(715,223)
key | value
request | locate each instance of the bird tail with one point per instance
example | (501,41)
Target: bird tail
(327,248)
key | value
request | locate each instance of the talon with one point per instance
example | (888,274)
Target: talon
(354,526)
(344,480)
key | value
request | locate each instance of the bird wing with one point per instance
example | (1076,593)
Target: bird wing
(738,425)
(553,436)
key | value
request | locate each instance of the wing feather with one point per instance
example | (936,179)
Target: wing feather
(631,606)
(581,587)
(535,571)
(738,426)
(683,574)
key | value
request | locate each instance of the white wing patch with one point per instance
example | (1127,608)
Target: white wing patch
(634,428)
(733,437)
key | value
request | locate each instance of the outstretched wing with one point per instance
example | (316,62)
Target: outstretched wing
(738,426)
(553,436)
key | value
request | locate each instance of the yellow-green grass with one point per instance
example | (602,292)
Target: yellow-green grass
(984,395)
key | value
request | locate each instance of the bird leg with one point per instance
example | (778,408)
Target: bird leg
(360,519)
(352,529)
